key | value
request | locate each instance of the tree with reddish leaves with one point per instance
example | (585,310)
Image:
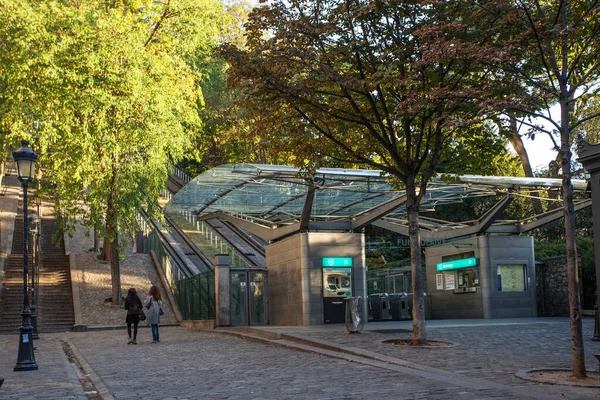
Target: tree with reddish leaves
(364,82)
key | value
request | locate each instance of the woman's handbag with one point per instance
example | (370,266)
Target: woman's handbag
(161,312)
(142,315)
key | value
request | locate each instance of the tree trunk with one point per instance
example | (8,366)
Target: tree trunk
(115,269)
(112,231)
(517,144)
(418,312)
(96,241)
(106,250)
(577,354)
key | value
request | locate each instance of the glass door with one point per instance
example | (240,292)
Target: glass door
(239,298)
(248,297)
(257,297)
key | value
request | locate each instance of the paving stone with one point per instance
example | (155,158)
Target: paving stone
(55,379)
(189,364)
(490,352)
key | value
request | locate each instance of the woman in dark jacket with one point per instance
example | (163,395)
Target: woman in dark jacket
(133,305)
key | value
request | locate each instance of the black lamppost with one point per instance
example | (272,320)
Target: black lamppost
(25,158)
(35,236)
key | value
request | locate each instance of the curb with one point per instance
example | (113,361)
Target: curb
(99,384)
(360,356)
(376,360)
(524,375)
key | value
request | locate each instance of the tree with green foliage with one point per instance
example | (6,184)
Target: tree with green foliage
(363,82)
(228,131)
(120,102)
(21,69)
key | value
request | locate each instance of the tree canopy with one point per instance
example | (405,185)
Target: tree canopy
(548,56)
(116,90)
(364,82)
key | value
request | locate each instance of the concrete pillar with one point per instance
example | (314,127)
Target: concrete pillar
(487,280)
(589,157)
(222,290)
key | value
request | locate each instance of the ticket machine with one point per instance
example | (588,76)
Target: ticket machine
(337,286)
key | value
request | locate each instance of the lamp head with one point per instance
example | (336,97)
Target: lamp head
(34,219)
(25,159)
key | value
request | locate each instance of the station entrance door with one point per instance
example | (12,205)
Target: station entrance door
(248,296)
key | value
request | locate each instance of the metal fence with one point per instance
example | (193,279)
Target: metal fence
(195,296)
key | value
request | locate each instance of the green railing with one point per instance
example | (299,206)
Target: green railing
(195,296)
(169,265)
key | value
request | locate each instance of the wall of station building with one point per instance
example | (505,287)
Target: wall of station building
(295,284)
(501,285)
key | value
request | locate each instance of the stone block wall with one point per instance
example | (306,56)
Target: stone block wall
(552,287)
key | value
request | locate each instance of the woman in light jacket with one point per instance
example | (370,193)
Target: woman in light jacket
(153,306)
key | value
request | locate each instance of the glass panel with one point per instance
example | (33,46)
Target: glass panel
(257,297)
(337,282)
(394,283)
(511,278)
(239,298)
(273,195)
(468,277)
(375,285)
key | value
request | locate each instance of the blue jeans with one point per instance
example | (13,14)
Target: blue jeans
(154,332)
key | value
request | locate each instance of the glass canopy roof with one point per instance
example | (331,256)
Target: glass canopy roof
(273,196)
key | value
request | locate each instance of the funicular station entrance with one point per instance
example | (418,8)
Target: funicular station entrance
(247,290)
(296,246)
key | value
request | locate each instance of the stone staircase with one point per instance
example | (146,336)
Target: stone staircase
(54,296)
(12,302)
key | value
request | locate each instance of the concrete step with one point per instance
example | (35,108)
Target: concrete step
(54,296)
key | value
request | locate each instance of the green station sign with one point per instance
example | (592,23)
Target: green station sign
(457,264)
(337,262)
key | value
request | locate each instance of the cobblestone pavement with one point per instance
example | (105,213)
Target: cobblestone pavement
(137,271)
(491,352)
(189,364)
(55,379)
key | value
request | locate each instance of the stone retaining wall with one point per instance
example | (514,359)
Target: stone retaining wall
(552,287)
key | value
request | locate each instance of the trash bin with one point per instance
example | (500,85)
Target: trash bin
(379,304)
(399,309)
(354,314)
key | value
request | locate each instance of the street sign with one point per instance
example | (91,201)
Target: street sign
(457,264)
(337,262)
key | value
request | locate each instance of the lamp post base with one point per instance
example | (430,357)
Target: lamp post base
(26,358)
